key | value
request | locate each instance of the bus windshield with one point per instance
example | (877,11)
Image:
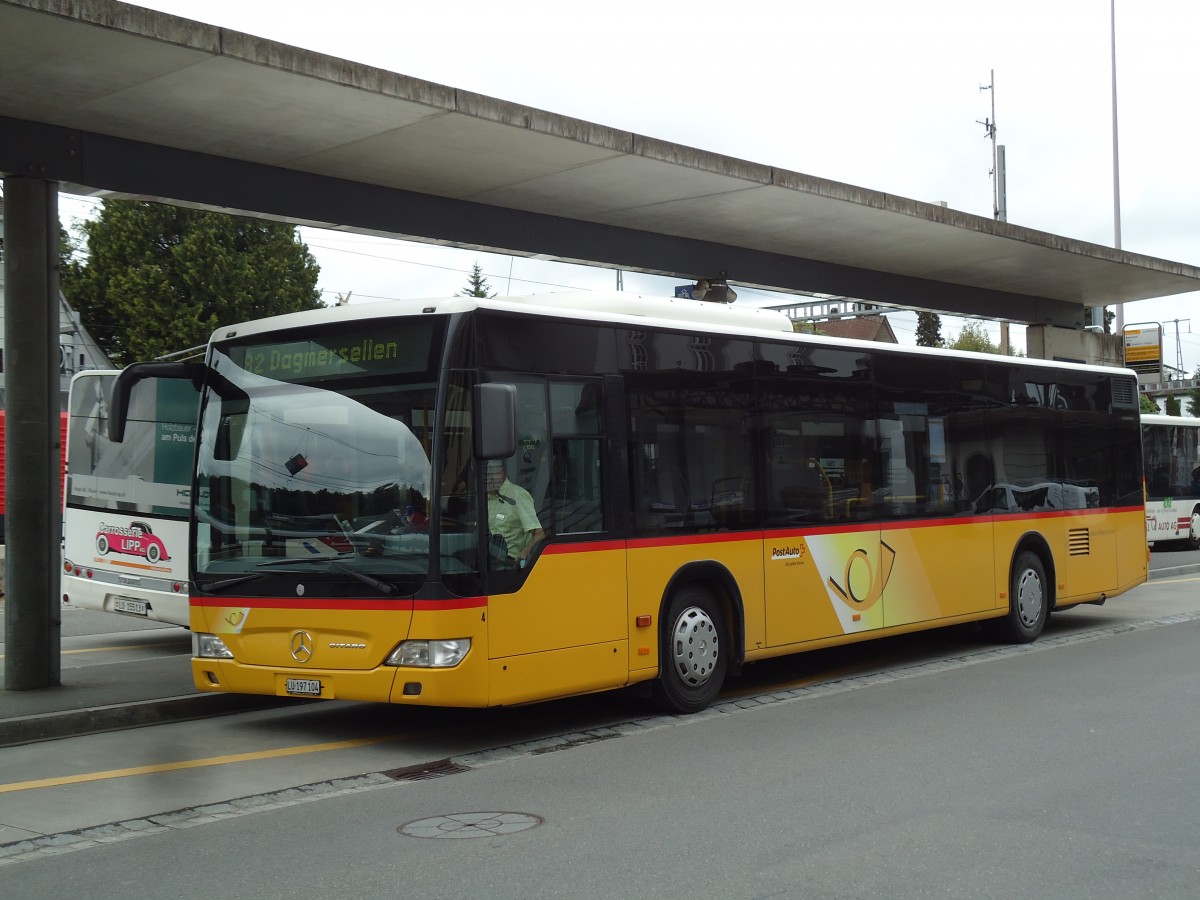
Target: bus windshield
(313,459)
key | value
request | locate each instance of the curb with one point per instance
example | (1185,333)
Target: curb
(1173,572)
(76,722)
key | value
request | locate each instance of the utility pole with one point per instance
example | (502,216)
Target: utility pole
(999,185)
(1120,321)
(1179,347)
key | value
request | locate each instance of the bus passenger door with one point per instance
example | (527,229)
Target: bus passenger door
(558,624)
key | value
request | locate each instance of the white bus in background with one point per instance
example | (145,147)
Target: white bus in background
(126,505)
(1171,456)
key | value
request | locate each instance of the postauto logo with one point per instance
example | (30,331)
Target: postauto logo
(136,539)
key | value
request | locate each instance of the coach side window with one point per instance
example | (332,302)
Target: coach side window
(576,481)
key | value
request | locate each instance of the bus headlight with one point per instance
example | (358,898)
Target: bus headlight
(209,646)
(429,654)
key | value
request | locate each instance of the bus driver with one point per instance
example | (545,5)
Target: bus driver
(511,514)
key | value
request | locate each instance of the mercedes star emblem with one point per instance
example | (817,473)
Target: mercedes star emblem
(302,646)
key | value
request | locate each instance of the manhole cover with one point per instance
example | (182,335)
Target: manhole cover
(470,825)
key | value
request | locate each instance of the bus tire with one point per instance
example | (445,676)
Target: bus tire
(1028,600)
(694,651)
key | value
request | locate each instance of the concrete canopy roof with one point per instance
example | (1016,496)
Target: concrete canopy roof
(108,97)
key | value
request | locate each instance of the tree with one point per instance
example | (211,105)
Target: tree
(1194,395)
(1171,406)
(1148,405)
(156,279)
(974,337)
(806,328)
(477,284)
(929,330)
(1109,316)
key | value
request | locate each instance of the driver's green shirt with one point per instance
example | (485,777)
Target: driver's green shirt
(511,515)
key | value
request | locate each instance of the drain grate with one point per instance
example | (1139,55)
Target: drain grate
(470,825)
(427,771)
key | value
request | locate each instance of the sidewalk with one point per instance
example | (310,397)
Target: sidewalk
(112,697)
(130,692)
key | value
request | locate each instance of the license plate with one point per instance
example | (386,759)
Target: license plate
(308,687)
(133,607)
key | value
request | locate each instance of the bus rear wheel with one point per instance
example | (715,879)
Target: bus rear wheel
(694,652)
(1028,600)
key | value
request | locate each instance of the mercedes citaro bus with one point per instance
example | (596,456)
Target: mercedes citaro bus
(692,487)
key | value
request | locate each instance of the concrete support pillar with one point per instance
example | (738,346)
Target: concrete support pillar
(33,475)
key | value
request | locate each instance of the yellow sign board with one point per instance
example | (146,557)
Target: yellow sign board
(1143,348)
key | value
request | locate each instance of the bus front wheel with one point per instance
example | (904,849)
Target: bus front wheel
(694,652)
(1028,600)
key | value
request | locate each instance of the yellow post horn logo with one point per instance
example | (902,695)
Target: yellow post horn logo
(878,580)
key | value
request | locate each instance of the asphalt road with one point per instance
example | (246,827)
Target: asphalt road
(937,764)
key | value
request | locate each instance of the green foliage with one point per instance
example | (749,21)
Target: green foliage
(157,278)
(1148,405)
(1109,316)
(1194,396)
(974,337)
(1171,406)
(929,330)
(806,328)
(477,284)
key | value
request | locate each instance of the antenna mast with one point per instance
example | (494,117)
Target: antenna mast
(999,199)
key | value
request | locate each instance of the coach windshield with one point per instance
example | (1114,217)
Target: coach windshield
(314,460)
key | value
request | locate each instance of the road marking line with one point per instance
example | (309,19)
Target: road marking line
(87,838)
(121,647)
(192,764)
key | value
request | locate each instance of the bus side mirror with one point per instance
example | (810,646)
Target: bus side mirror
(131,375)
(495,421)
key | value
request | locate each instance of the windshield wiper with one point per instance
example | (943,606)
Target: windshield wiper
(384,587)
(215,587)
(303,560)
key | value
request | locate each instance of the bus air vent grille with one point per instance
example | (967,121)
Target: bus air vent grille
(1079,542)
(1124,393)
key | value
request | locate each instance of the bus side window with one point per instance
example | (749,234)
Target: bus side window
(576,486)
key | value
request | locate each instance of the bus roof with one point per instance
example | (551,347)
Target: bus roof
(1178,421)
(624,308)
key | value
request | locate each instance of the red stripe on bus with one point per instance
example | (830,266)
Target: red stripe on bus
(353,603)
(687,540)
(642,543)
(583,547)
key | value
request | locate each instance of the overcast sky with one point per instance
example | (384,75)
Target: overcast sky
(876,93)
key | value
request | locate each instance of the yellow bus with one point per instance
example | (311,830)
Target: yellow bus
(481,502)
